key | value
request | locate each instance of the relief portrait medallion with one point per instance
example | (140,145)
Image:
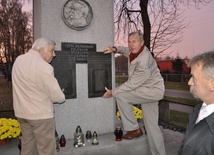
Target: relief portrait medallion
(77,14)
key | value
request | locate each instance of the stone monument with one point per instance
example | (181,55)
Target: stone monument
(80,22)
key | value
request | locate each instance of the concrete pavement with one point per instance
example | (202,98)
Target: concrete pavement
(108,146)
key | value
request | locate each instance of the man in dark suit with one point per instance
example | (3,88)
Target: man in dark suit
(199,138)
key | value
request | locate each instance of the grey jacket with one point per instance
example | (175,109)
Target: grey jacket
(199,138)
(143,75)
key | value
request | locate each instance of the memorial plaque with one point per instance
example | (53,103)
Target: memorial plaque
(65,72)
(99,73)
(79,49)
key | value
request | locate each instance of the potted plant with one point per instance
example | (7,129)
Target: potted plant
(9,129)
(137,112)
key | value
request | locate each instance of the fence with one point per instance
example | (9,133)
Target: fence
(176,77)
(167,77)
(174,115)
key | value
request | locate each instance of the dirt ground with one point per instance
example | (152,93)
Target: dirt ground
(2,79)
(6,101)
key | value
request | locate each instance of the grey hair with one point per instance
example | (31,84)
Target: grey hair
(139,34)
(207,61)
(42,43)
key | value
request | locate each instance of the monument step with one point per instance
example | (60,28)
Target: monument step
(108,146)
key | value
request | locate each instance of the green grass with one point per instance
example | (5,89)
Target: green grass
(179,118)
(121,79)
(177,85)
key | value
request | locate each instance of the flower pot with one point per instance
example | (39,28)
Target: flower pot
(3,142)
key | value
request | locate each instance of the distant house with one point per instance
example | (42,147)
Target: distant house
(166,65)
(121,64)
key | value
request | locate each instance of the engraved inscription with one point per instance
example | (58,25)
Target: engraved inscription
(80,50)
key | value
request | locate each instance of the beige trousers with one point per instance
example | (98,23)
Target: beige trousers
(38,137)
(150,111)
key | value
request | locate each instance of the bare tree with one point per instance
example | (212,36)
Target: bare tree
(15,33)
(162,21)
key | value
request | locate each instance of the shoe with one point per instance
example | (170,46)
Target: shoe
(132,134)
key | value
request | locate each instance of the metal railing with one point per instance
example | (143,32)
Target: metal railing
(174,115)
(176,77)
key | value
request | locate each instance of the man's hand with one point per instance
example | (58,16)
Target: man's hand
(109,50)
(108,93)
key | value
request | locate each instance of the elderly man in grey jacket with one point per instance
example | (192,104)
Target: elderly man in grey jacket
(144,86)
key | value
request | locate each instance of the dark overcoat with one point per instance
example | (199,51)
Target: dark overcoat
(199,138)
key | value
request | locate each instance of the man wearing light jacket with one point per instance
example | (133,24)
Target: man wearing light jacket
(35,89)
(144,86)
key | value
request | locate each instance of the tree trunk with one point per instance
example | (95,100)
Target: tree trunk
(146,22)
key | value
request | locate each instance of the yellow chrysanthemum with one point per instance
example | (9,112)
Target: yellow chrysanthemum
(9,128)
(137,112)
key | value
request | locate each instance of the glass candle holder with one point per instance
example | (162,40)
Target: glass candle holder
(118,134)
(88,136)
(78,137)
(95,139)
(62,141)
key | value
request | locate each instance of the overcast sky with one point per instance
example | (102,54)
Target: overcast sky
(199,36)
